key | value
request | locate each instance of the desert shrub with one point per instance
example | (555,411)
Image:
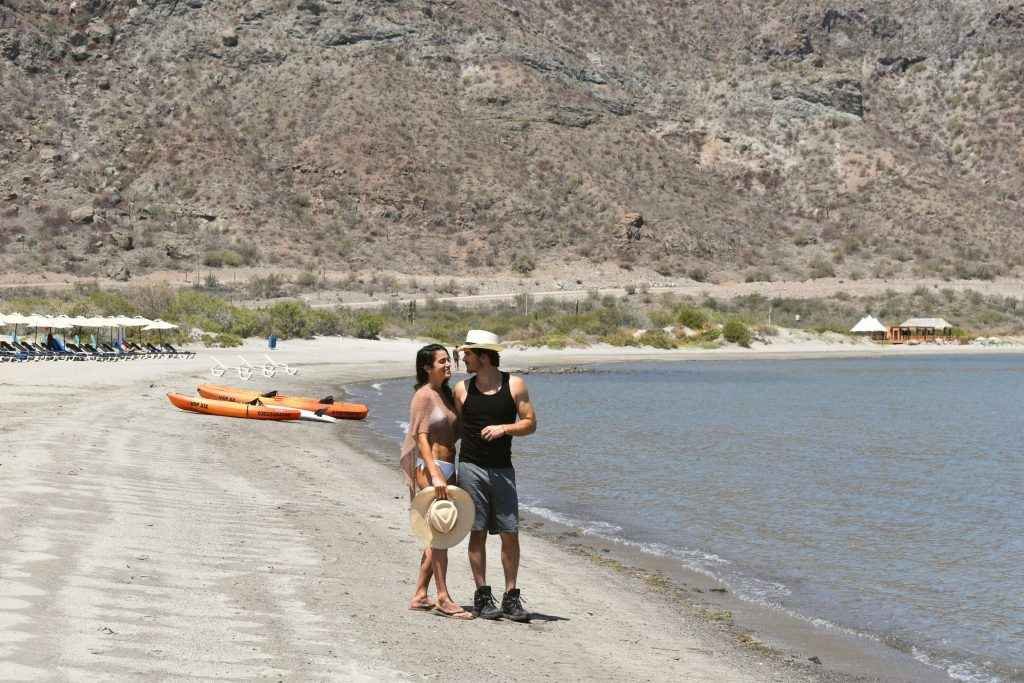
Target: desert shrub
(216,258)
(523,263)
(246,322)
(737,332)
(759,275)
(659,339)
(711,335)
(368,326)
(224,340)
(289,319)
(620,337)
(821,267)
(307,279)
(692,317)
(267,287)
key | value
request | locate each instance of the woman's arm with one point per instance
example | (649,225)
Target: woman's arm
(437,479)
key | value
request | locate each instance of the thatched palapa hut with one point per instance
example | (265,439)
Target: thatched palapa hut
(916,330)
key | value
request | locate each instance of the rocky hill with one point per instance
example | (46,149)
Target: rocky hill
(721,138)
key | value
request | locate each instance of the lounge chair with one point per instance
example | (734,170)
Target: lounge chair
(10,354)
(77,352)
(279,366)
(181,354)
(218,370)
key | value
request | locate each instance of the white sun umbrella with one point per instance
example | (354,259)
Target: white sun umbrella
(159,324)
(16,319)
(36,320)
(61,322)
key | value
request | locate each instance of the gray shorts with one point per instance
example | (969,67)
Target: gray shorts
(493,491)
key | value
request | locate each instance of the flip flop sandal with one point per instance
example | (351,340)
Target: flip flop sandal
(461,615)
(424,607)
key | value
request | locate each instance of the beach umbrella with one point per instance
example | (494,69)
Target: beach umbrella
(37,321)
(16,319)
(161,325)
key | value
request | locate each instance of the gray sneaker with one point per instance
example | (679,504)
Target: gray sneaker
(484,605)
(512,606)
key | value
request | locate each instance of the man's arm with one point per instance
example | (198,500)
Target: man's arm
(459,394)
(527,422)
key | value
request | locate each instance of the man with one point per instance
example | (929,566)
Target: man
(494,407)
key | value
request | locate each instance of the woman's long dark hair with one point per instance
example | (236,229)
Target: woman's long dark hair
(425,359)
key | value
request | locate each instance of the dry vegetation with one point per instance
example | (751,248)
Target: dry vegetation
(803,139)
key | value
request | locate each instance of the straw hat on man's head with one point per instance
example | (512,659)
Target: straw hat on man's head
(442,523)
(482,339)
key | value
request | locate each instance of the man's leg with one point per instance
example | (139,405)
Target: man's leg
(478,556)
(510,559)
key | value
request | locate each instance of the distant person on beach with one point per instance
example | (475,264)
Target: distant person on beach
(428,459)
(493,406)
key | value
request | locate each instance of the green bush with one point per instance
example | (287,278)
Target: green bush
(692,317)
(659,339)
(289,319)
(737,332)
(523,263)
(215,258)
(268,287)
(620,337)
(307,279)
(821,267)
(369,325)
(224,340)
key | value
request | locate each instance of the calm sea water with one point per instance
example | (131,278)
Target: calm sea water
(884,496)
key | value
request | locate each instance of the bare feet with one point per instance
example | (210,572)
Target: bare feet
(421,604)
(451,609)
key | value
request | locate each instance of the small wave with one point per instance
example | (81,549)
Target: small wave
(376,386)
(404,426)
(958,671)
(589,528)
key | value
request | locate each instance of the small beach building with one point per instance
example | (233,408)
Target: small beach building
(869,326)
(917,330)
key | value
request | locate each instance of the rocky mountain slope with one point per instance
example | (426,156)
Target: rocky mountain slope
(721,138)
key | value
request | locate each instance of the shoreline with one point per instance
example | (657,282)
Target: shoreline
(794,640)
(87,488)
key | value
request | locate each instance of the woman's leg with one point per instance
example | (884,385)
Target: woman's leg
(444,598)
(420,599)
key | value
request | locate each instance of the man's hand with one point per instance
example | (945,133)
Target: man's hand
(492,432)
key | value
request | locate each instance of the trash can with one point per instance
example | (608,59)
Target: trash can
(272,341)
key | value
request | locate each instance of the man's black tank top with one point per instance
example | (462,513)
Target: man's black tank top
(479,411)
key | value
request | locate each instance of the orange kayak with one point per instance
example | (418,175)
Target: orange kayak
(324,406)
(230,409)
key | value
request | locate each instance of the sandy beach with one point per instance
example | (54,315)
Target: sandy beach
(140,541)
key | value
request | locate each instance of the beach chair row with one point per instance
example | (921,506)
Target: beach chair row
(24,351)
(246,370)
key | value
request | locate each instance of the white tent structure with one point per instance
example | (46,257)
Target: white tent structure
(868,325)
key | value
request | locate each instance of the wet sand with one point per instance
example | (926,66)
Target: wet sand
(137,540)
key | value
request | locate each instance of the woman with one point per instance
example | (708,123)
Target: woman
(428,459)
